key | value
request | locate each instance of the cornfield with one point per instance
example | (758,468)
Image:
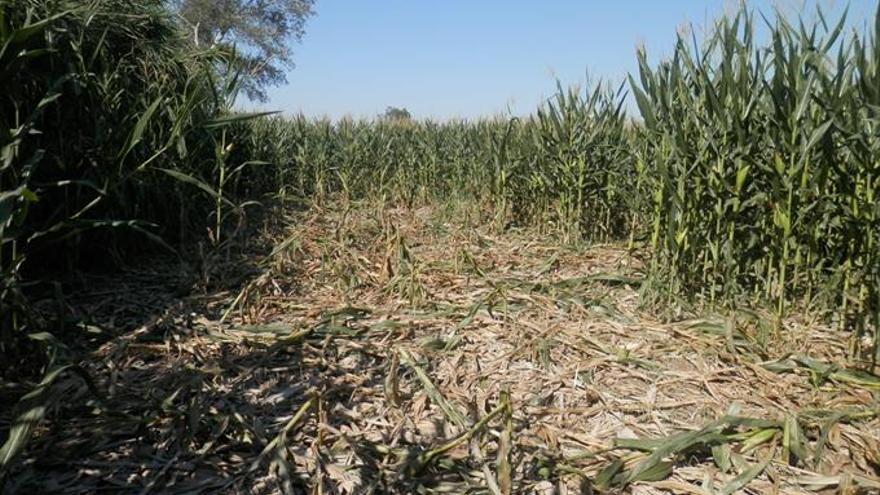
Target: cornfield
(751,170)
(103,136)
(742,173)
(762,164)
(566,169)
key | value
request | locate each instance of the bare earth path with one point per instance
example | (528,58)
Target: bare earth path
(406,351)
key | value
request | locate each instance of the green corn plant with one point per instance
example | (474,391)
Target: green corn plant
(761,161)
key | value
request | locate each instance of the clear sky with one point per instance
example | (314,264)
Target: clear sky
(467,58)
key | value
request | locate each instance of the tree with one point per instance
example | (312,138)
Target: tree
(394,113)
(262,32)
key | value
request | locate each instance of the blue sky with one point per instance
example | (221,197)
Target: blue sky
(458,58)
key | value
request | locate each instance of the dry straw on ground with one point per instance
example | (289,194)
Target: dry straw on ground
(407,351)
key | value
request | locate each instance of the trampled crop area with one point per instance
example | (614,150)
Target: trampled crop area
(405,350)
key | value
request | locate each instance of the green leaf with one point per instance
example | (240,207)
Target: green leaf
(137,132)
(741,175)
(221,122)
(604,478)
(34,406)
(644,104)
(8,200)
(673,445)
(758,438)
(793,446)
(30,30)
(745,477)
(817,135)
(188,179)
(721,456)
(657,472)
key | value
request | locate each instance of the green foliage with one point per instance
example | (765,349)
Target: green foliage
(753,173)
(100,99)
(566,169)
(762,162)
(263,31)
(394,113)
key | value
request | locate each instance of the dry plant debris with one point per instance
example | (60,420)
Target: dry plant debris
(386,350)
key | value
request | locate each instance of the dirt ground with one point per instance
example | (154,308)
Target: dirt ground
(381,350)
